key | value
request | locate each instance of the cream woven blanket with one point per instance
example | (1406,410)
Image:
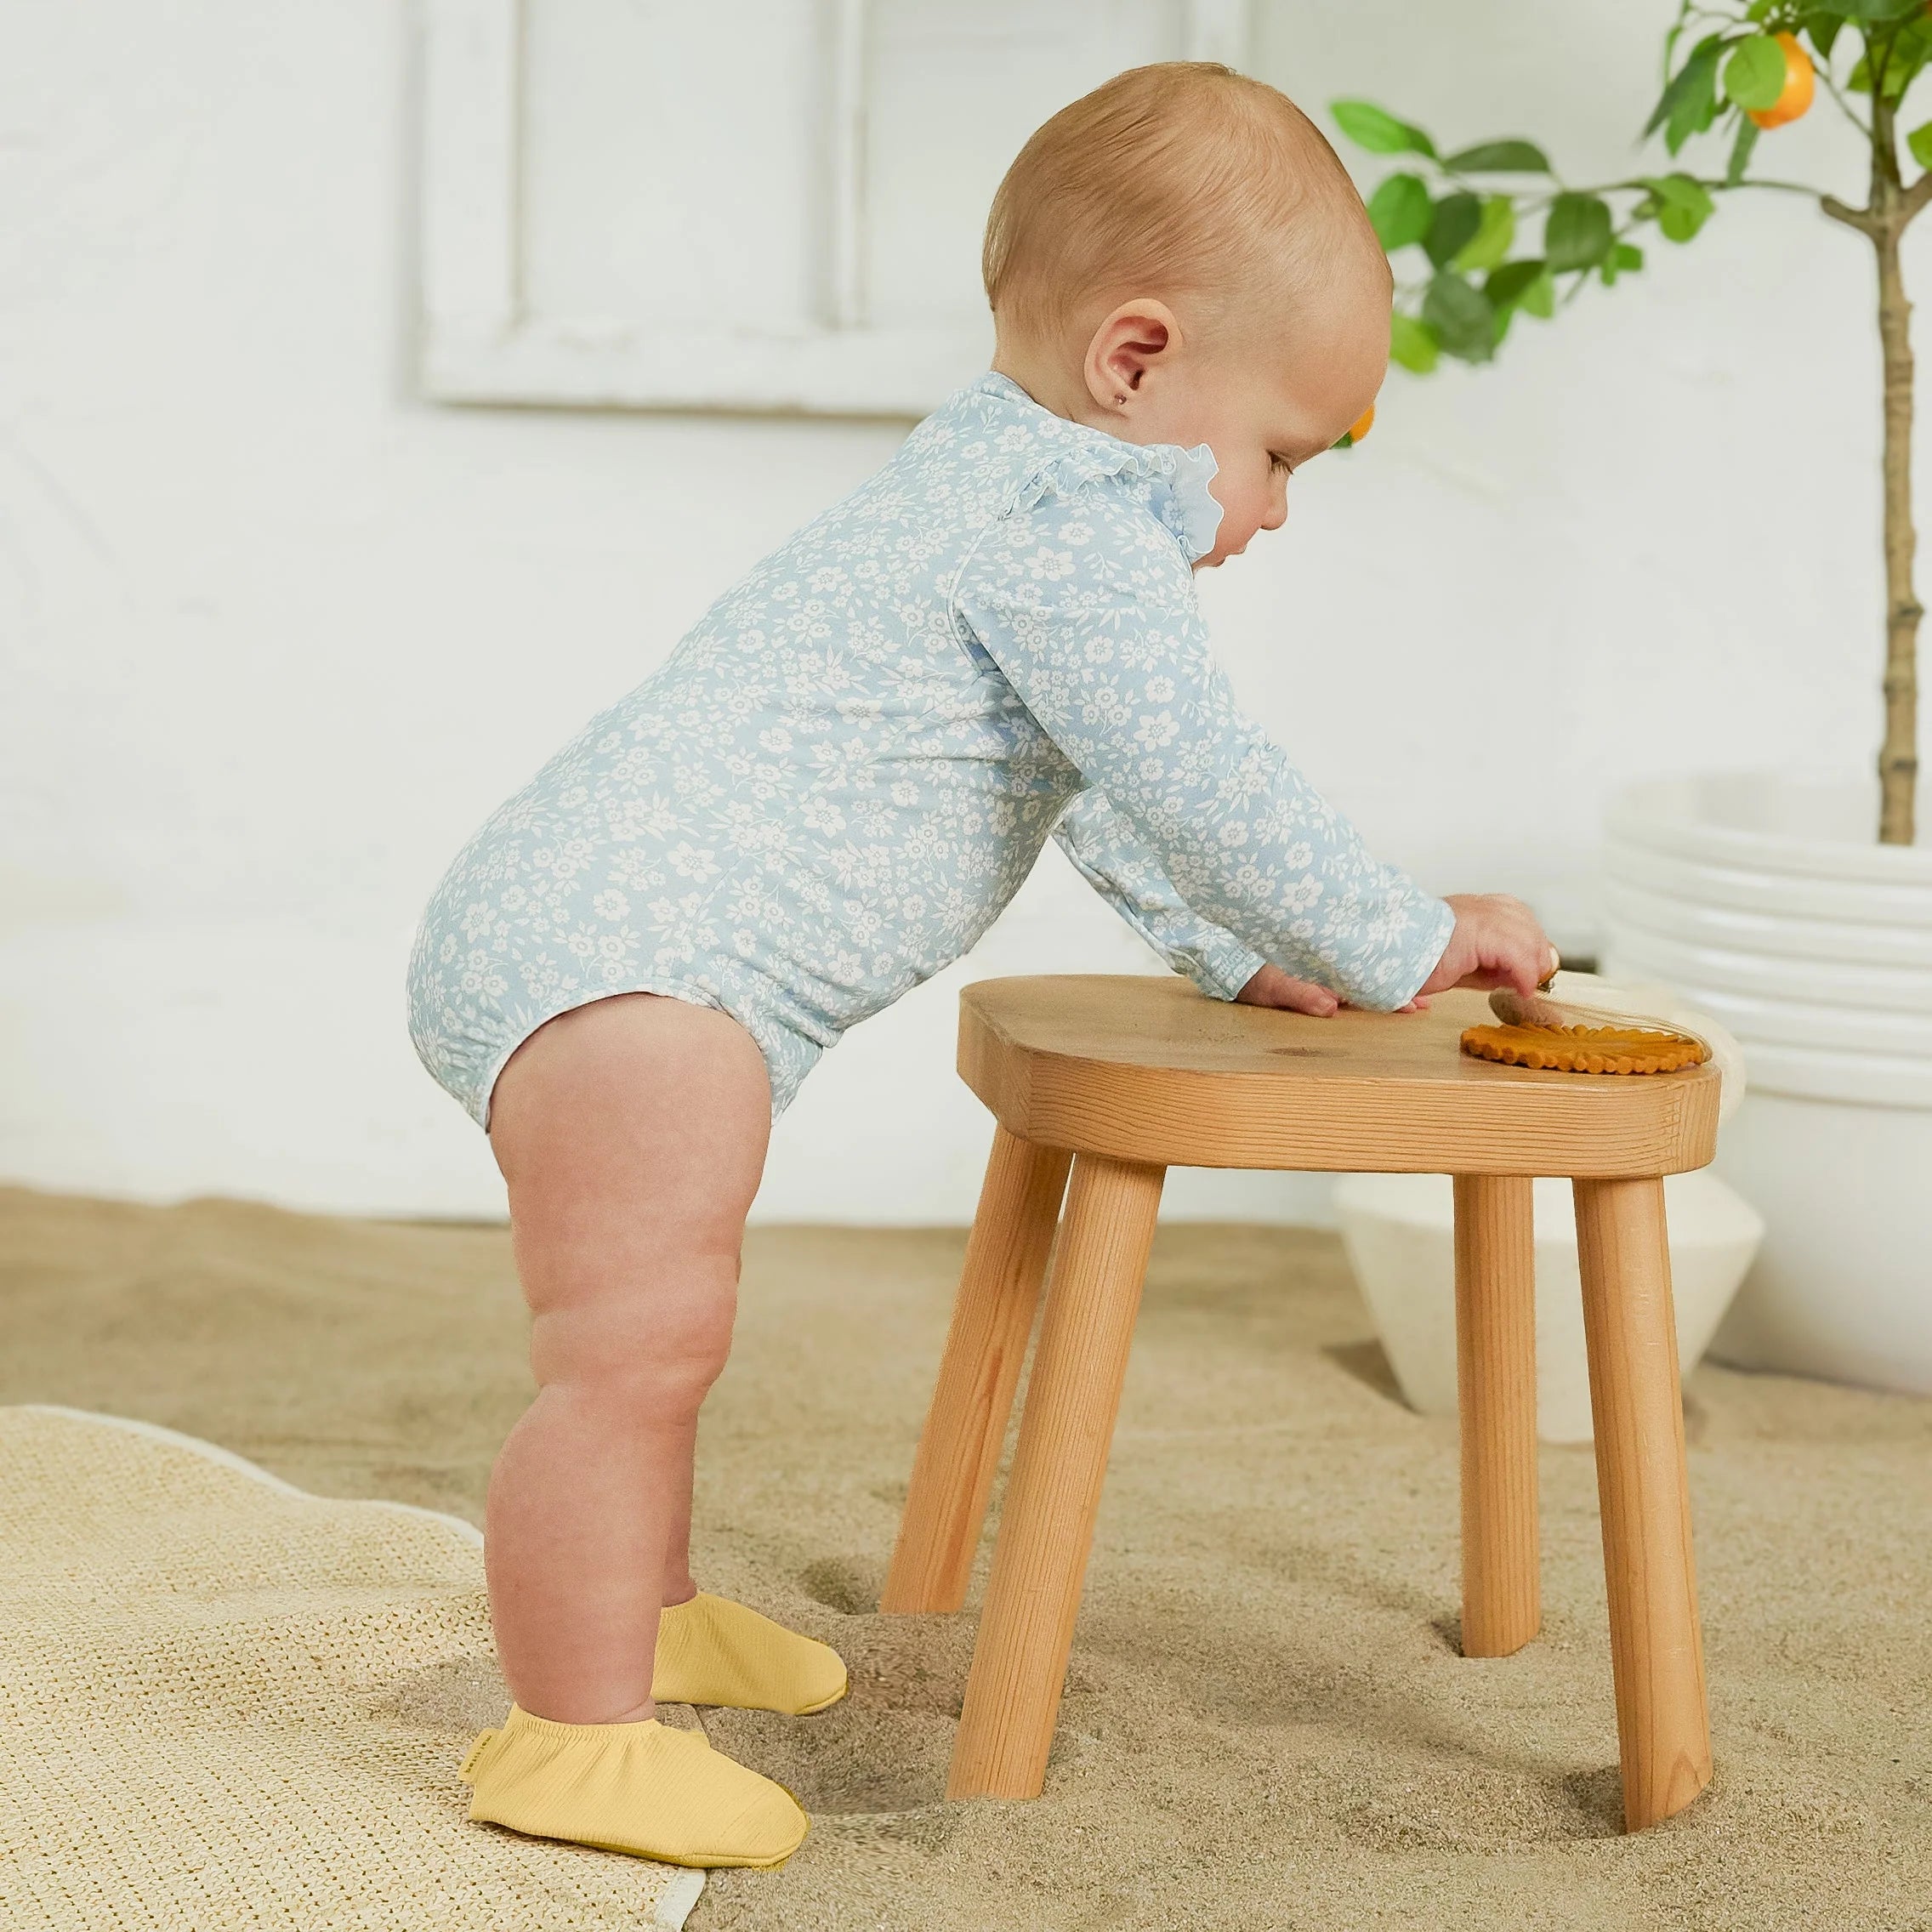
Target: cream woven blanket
(225,1703)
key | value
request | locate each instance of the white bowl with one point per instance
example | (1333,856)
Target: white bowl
(1398,1230)
(1768,906)
(1768,903)
(1780,933)
(1637,862)
(1846,980)
(1761,822)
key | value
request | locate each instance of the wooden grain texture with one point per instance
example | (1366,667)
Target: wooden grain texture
(1046,1526)
(999,1287)
(1150,1071)
(1496,1401)
(1657,1651)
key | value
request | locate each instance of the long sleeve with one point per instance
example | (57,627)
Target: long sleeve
(1085,602)
(1128,877)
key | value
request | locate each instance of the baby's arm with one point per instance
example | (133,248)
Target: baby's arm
(1087,605)
(1128,877)
(1497,940)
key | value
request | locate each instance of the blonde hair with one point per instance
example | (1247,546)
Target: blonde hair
(1181,178)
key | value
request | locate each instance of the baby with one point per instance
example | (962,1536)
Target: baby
(827,792)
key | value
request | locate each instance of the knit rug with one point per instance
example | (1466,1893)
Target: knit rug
(226,1703)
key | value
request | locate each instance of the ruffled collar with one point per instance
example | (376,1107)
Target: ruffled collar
(1176,478)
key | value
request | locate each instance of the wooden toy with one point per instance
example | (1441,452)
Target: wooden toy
(1562,1036)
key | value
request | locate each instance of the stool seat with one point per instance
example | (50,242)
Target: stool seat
(1147,1068)
(1116,1079)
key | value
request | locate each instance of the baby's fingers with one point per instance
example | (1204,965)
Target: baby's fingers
(1497,942)
(1273,988)
(1525,959)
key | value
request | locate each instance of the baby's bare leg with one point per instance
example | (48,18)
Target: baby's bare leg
(632,1132)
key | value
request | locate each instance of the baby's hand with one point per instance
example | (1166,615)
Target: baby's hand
(1496,942)
(1273,988)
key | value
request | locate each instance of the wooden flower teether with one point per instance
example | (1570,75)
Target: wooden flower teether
(1587,1049)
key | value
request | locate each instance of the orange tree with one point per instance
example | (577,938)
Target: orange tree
(1732,70)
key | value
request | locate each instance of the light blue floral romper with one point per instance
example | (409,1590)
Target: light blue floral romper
(835,782)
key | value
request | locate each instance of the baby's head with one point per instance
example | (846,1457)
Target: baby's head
(1179,257)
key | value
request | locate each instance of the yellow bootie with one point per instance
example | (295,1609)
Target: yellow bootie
(635,1787)
(711,1651)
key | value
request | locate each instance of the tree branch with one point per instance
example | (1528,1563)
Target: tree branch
(1915,197)
(1760,181)
(1861,218)
(1823,70)
(1714,183)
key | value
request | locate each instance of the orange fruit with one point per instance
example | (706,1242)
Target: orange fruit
(1362,424)
(1799,84)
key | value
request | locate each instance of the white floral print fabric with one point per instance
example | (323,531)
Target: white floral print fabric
(836,781)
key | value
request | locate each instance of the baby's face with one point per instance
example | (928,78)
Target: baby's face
(1266,405)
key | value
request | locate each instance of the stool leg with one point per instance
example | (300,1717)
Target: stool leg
(999,1286)
(1047,1526)
(1656,1651)
(1496,1392)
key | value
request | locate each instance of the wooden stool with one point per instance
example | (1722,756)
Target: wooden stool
(1123,1077)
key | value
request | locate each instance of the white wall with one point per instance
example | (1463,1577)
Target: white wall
(277,635)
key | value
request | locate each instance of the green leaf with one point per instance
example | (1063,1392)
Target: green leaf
(1876,9)
(1919,140)
(1505,284)
(1689,103)
(1676,33)
(1577,235)
(1461,316)
(1673,89)
(1623,259)
(1453,227)
(1377,130)
(1753,76)
(1522,285)
(1908,54)
(1823,29)
(1499,157)
(1741,151)
(1495,235)
(1679,82)
(1414,344)
(1683,205)
(1400,210)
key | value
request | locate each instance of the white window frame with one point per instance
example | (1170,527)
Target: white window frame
(480,343)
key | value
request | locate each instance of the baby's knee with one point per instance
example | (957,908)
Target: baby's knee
(659,1349)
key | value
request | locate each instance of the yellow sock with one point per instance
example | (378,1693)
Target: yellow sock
(635,1787)
(711,1651)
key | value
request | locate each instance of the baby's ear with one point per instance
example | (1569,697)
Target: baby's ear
(1136,339)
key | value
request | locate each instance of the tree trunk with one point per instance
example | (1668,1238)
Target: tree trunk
(1898,757)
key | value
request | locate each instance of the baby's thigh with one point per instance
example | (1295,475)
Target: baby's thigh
(631,1135)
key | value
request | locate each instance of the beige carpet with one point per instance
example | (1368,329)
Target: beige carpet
(1267,1725)
(226,1703)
